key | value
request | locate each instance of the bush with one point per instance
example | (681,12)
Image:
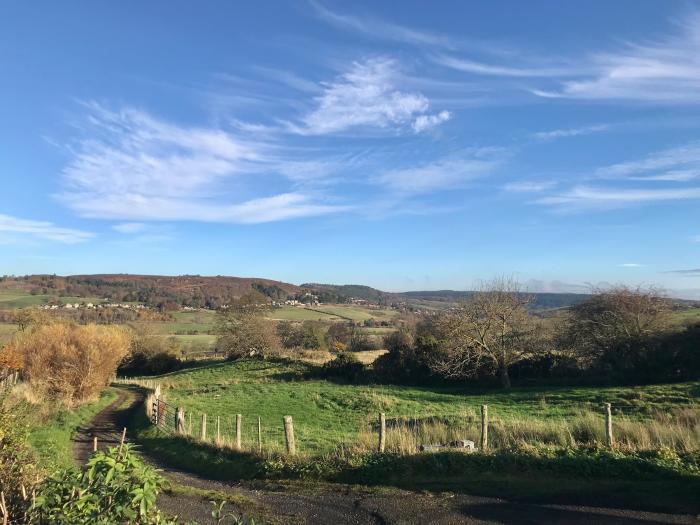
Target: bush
(406,360)
(117,487)
(18,468)
(245,334)
(152,354)
(345,366)
(69,363)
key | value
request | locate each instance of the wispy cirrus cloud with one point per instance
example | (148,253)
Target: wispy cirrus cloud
(450,173)
(15,229)
(546,136)
(529,186)
(382,30)
(132,166)
(586,197)
(631,265)
(129,227)
(467,65)
(664,70)
(367,96)
(681,163)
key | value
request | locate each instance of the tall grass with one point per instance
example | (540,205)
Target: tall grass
(678,430)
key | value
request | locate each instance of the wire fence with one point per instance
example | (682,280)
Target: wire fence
(467,429)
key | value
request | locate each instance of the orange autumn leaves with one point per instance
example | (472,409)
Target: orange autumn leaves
(68,363)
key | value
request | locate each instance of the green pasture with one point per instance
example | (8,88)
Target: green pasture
(327,414)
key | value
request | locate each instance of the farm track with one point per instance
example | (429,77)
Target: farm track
(342,504)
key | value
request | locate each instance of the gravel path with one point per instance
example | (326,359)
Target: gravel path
(337,504)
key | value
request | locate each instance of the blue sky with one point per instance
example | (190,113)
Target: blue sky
(424,147)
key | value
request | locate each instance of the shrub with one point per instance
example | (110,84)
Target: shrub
(117,487)
(151,354)
(70,363)
(406,360)
(345,366)
(245,333)
(18,469)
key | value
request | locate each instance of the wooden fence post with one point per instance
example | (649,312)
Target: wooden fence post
(484,427)
(94,443)
(289,435)
(608,426)
(180,420)
(259,436)
(238,431)
(203,436)
(382,432)
(218,431)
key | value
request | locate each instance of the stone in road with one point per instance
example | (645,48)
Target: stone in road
(336,504)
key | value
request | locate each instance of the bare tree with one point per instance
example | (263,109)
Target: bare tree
(243,331)
(614,321)
(488,333)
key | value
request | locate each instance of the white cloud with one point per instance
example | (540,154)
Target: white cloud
(441,175)
(22,228)
(366,96)
(631,265)
(529,186)
(681,163)
(129,227)
(481,68)
(666,70)
(591,197)
(134,167)
(381,30)
(546,136)
(426,122)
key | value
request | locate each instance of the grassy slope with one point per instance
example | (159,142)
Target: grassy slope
(52,438)
(326,414)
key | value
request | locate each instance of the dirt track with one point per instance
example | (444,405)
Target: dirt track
(345,505)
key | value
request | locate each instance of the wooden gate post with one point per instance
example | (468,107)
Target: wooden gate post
(204,427)
(238,431)
(289,435)
(179,420)
(609,441)
(484,427)
(382,432)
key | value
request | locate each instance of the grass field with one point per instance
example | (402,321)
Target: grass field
(19,299)
(10,299)
(327,414)
(293,313)
(687,315)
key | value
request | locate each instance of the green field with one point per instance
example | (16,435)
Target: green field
(20,299)
(687,316)
(10,299)
(327,414)
(293,313)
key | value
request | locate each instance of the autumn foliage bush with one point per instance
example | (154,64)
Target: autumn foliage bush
(69,363)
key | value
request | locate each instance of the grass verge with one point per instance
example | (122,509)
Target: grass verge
(52,439)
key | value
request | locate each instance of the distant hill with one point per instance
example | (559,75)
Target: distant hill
(212,292)
(540,300)
(153,290)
